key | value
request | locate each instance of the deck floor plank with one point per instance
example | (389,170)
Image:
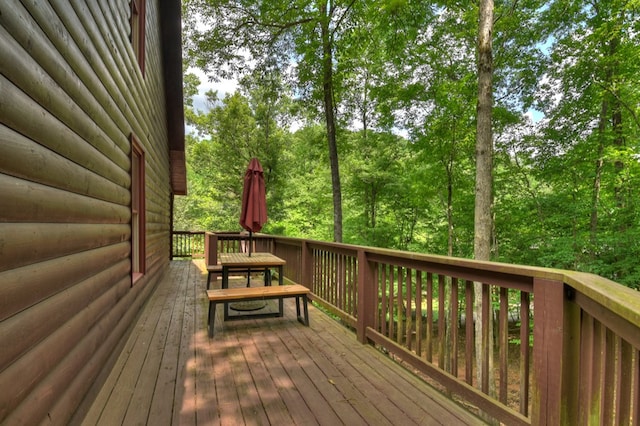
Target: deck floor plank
(113,400)
(165,391)
(324,382)
(358,376)
(205,404)
(267,393)
(252,409)
(185,384)
(297,408)
(328,362)
(258,371)
(158,347)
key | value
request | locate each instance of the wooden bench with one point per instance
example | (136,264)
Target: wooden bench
(280,292)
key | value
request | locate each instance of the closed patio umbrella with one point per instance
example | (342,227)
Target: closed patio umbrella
(253,214)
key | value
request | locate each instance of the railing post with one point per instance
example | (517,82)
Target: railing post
(549,355)
(306,266)
(366,297)
(211,248)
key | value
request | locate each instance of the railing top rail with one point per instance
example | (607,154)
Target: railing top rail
(622,300)
(617,298)
(239,235)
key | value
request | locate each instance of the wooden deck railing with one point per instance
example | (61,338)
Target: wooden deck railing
(187,244)
(564,346)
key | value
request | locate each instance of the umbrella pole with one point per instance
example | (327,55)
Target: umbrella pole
(250,244)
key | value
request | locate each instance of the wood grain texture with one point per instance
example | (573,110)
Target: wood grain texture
(23,158)
(274,371)
(72,95)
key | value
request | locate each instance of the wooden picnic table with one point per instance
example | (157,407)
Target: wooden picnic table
(242,262)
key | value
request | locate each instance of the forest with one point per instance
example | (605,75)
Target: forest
(364,115)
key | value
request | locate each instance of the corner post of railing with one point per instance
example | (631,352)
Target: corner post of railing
(550,350)
(306,266)
(211,248)
(366,296)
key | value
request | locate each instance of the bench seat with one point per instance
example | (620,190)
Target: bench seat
(226,295)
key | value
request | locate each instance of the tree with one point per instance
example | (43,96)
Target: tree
(407,102)
(298,37)
(484,135)
(590,94)
(232,131)
(483,222)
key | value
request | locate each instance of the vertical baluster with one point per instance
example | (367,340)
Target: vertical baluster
(385,297)
(598,369)
(503,342)
(315,286)
(347,286)
(636,388)
(442,336)
(376,290)
(408,312)
(442,314)
(608,379)
(624,369)
(429,334)
(332,271)
(486,343)
(354,286)
(391,303)
(586,367)
(342,265)
(469,332)
(525,332)
(454,326)
(419,322)
(400,308)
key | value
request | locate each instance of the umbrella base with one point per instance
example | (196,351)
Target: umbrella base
(255,305)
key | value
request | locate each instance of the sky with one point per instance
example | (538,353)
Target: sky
(223,87)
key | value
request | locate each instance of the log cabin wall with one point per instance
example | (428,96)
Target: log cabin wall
(71,94)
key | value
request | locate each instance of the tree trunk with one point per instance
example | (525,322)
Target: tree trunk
(449,169)
(484,178)
(329,112)
(597,180)
(616,124)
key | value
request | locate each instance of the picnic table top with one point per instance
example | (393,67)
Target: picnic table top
(256,259)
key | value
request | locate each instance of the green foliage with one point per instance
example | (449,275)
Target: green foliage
(405,87)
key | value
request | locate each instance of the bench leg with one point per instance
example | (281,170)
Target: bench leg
(306,310)
(305,319)
(208,280)
(212,317)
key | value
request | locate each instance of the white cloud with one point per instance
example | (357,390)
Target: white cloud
(223,87)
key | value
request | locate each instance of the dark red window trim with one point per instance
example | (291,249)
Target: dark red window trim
(138,9)
(138,217)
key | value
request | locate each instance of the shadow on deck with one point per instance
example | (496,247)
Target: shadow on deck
(266,371)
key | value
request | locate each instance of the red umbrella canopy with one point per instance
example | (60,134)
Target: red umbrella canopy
(254,201)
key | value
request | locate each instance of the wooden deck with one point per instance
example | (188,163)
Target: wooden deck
(265,371)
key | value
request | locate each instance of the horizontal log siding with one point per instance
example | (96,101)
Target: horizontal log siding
(72,93)
(26,159)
